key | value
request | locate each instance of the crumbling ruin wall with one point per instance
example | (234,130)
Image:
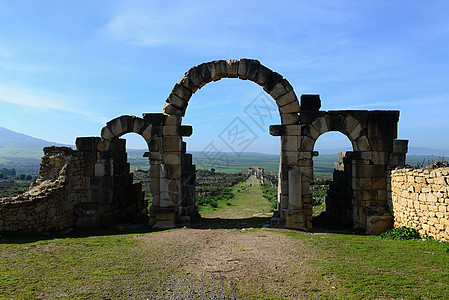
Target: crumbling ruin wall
(419,199)
(51,200)
(88,187)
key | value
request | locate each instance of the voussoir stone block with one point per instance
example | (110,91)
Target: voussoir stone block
(287,98)
(232,68)
(290,108)
(107,134)
(115,126)
(195,77)
(243,67)
(216,73)
(188,84)
(147,133)
(127,123)
(320,125)
(272,81)
(252,68)
(362,144)
(204,72)
(263,73)
(356,132)
(177,101)
(139,125)
(349,124)
(170,109)
(182,92)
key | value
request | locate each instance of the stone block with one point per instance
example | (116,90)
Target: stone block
(176,101)
(369,171)
(263,73)
(195,77)
(289,143)
(320,125)
(290,119)
(139,125)
(306,144)
(103,196)
(310,131)
(251,69)
(272,81)
(380,158)
(204,72)
(382,130)
(172,120)
(156,119)
(280,89)
(382,144)
(232,68)
(104,169)
(356,133)
(127,123)
(243,67)
(147,133)
(286,98)
(310,102)
(294,190)
(335,122)
(349,124)
(115,126)
(217,69)
(188,84)
(362,144)
(170,109)
(400,146)
(182,92)
(379,183)
(171,143)
(186,130)
(87,143)
(290,108)
(173,158)
(107,134)
(289,158)
(296,219)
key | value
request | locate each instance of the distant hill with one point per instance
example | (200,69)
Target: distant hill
(12,139)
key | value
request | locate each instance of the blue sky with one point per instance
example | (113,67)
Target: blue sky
(68,67)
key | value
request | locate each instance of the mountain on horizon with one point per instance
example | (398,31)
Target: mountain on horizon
(12,139)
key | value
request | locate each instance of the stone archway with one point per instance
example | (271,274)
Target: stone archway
(246,69)
(373,136)
(177,193)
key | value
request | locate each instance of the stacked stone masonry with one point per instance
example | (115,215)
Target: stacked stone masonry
(99,189)
(419,199)
(51,201)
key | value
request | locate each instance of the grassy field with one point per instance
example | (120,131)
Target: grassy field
(252,263)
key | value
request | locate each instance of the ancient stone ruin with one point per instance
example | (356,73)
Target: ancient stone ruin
(92,185)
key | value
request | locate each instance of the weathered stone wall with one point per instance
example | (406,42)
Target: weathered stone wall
(87,187)
(51,200)
(420,199)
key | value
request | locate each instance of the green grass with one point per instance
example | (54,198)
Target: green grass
(372,268)
(76,267)
(247,201)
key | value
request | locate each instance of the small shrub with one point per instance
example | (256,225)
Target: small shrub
(400,233)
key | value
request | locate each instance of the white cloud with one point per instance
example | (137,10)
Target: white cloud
(45,101)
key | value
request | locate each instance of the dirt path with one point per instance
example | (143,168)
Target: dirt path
(261,260)
(248,202)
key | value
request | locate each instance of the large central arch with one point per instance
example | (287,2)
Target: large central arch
(246,69)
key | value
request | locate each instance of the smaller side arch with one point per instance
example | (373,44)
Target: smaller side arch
(119,126)
(346,124)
